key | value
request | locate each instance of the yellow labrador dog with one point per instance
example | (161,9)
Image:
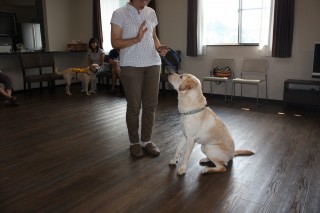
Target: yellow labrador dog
(87,75)
(201,125)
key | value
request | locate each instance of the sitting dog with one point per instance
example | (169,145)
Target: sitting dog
(201,125)
(87,75)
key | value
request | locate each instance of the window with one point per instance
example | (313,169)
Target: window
(107,8)
(236,21)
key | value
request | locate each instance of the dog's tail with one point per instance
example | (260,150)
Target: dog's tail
(243,152)
(56,71)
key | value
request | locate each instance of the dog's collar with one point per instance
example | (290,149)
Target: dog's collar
(194,111)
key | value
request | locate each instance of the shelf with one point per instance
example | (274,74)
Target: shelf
(77,47)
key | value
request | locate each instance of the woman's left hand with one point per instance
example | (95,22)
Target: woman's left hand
(162,50)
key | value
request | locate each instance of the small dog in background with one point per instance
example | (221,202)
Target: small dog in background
(87,75)
(201,125)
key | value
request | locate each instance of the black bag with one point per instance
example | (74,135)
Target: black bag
(171,59)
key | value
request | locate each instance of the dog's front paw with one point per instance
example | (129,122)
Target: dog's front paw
(69,93)
(92,92)
(173,162)
(88,94)
(182,170)
(205,170)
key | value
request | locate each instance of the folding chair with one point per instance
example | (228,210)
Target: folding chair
(254,72)
(223,63)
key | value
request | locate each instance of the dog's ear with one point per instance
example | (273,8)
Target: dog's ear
(187,84)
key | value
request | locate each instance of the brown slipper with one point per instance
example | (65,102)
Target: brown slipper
(136,150)
(13,101)
(10,103)
(152,149)
(13,98)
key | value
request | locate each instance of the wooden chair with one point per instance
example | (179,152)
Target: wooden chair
(254,72)
(223,63)
(38,68)
(47,61)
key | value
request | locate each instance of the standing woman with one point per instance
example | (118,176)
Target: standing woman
(95,56)
(133,31)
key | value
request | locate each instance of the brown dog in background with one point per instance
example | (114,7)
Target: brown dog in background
(201,125)
(87,75)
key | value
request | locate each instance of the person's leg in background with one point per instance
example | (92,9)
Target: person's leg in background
(115,75)
(93,81)
(5,92)
(82,86)
(114,79)
(6,89)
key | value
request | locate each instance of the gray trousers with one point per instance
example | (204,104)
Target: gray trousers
(141,87)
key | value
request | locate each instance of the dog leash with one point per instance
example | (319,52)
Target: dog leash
(194,111)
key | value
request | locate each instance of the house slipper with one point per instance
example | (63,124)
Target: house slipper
(8,103)
(11,102)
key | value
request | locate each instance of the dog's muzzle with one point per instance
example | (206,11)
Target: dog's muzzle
(164,77)
(95,70)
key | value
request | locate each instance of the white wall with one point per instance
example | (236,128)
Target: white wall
(172,16)
(67,20)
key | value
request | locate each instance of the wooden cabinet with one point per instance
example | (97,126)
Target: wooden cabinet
(293,94)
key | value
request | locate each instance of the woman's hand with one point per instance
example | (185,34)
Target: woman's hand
(142,31)
(113,62)
(162,50)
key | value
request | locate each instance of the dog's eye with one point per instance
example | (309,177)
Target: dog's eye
(181,76)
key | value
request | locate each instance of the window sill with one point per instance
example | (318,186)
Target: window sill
(235,45)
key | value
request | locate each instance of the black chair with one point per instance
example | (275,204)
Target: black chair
(47,60)
(171,62)
(38,68)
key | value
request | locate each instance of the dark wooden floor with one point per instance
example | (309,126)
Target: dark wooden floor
(71,154)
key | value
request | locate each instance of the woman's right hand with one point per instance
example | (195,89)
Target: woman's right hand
(142,31)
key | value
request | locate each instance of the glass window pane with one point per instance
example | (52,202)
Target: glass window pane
(228,23)
(107,8)
(249,4)
(250,29)
(222,21)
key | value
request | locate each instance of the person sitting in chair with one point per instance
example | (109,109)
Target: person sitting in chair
(6,89)
(114,62)
(95,56)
